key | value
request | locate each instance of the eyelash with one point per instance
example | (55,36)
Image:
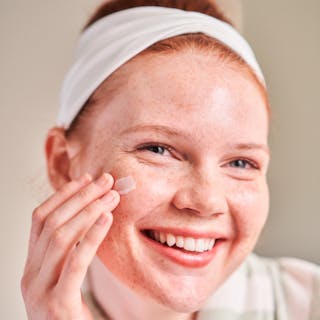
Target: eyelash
(147,146)
(252,164)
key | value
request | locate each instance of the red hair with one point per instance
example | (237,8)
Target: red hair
(207,7)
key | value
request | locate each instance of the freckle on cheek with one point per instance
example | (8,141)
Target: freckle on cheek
(125,185)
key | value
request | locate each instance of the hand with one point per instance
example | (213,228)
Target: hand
(66,232)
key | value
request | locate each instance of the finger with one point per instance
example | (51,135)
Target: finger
(66,237)
(76,266)
(65,212)
(60,196)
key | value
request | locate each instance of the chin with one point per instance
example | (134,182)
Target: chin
(182,296)
(182,304)
(179,295)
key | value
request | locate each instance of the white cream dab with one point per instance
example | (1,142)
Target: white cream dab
(125,185)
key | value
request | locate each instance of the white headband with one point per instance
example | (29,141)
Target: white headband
(118,37)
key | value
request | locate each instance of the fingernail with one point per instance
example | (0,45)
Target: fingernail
(102,219)
(108,197)
(103,180)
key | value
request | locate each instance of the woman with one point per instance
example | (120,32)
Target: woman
(159,162)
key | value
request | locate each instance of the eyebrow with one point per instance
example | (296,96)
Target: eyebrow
(251,146)
(157,128)
(173,132)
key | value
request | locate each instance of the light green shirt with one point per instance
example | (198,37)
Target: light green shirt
(260,289)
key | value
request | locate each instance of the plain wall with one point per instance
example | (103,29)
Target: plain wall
(286,38)
(37,41)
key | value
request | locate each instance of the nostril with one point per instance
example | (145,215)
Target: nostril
(202,202)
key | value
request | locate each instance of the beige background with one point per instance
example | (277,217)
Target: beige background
(37,39)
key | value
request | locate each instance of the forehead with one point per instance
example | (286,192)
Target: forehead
(188,90)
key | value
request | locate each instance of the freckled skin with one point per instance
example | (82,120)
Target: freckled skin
(216,105)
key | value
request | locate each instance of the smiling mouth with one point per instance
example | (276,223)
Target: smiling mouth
(181,243)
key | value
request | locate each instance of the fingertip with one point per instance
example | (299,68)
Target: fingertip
(110,178)
(115,194)
(85,178)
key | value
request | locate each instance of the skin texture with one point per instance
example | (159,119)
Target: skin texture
(198,184)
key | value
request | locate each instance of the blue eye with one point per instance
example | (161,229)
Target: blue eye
(242,164)
(155,148)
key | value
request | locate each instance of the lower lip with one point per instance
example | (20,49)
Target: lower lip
(185,258)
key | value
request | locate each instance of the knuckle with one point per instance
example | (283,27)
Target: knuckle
(24,286)
(74,264)
(50,223)
(91,239)
(59,239)
(36,215)
(30,294)
(87,210)
(84,194)
(92,208)
(95,206)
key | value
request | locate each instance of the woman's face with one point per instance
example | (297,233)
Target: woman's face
(192,132)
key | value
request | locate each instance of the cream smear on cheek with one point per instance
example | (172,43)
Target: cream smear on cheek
(125,185)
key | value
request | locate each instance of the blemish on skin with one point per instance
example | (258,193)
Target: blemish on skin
(125,185)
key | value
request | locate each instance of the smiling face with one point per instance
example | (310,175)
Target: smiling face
(192,132)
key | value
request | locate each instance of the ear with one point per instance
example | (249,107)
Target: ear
(58,162)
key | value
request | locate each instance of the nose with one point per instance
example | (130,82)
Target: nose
(202,194)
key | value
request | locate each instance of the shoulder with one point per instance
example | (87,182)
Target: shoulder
(265,288)
(296,285)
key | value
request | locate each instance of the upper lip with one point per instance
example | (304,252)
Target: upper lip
(188,232)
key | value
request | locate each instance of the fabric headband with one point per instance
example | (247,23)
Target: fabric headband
(118,37)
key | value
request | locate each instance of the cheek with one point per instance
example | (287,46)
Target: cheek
(136,209)
(249,206)
(151,195)
(148,193)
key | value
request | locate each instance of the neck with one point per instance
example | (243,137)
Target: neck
(119,302)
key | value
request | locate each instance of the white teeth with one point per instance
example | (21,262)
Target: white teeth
(171,240)
(188,243)
(200,245)
(211,243)
(179,242)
